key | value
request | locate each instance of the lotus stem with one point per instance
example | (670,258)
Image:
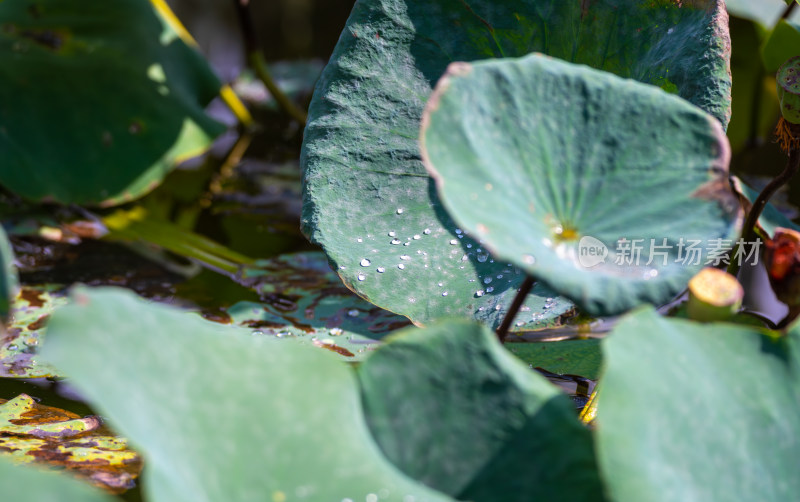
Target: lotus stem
(749,229)
(789,10)
(257,62)
(523,292)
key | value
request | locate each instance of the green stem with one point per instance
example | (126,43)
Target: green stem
(256,61)
(524,290)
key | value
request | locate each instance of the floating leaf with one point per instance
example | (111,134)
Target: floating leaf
(452,408)
(33,433)
(129,94)
(712,414)
(367,197)
(304,298)
(572,357)
(18,349)
(641,175)
(242,418)
(29,484)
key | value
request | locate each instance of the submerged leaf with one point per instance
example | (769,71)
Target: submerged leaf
(452,408)
(611,180)
(242,417)
(127,103)
(705,412)
(367,197)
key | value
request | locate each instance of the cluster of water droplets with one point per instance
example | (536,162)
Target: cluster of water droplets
(499,279)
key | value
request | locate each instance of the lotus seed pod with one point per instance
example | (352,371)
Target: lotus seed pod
(789,90)
(714,295)
(782,259)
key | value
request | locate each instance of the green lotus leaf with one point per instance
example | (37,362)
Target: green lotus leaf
(452,408)
(712,414)
(367,196)
(20,346)
(29,484)
(594,184)
(242,419)
(34,433)
(127,103)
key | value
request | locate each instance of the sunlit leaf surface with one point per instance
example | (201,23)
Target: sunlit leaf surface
(47,436)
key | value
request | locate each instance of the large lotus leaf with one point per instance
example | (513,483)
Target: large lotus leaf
(29,484)
(452,408)
(20,345)
(695,412)
(33,433)
(367,196)
(219,414)
(126,104)
(587,181)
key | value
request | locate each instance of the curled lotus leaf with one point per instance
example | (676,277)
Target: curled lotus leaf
(612,180)
(367,196)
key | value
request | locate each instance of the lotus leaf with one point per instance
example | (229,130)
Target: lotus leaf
(712,414)
(243,417)
(367,197)
(452,408)
(612,180)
